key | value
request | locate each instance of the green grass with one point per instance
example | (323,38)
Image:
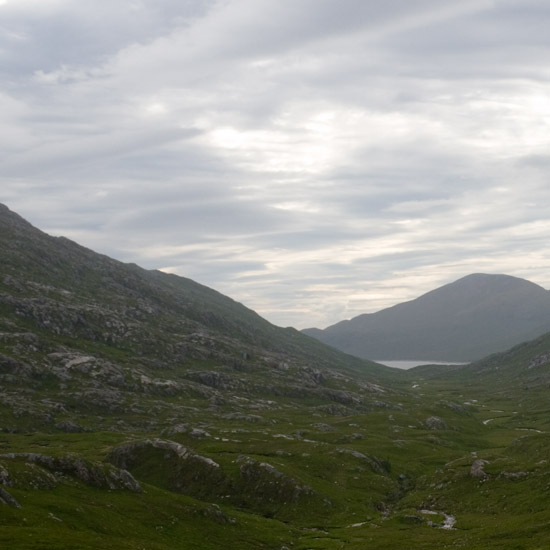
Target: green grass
(429,469)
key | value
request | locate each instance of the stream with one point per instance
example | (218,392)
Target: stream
(449,519)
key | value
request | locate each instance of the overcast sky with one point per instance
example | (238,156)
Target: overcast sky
(313,159)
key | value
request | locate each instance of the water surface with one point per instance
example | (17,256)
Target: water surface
(409,364)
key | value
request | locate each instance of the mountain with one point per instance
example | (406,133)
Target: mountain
(465,320)
(144,410)
(124,372)
(131,330)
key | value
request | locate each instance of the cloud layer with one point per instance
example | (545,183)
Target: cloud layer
(313,159)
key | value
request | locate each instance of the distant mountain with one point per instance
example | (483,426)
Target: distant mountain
(473,317)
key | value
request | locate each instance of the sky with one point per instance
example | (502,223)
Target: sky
(312,159)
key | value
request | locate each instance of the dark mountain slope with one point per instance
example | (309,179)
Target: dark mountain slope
(58,269)
(465,320)
(105,334)
(65,269)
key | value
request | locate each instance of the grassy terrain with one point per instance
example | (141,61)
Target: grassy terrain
(241,435)
(376,474)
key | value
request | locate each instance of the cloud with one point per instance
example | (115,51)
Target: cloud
(314,160)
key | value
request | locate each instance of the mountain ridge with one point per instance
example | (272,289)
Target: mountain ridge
(146,331)
(465,320)
(46,257)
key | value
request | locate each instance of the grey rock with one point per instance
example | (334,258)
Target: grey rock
(477,469)
(215,513)
(199,433)
(177,429)
(103,476)
(539,361)
(6,498)
(324,427)
(436,423)
(69,427)
(5,478)
(8,365)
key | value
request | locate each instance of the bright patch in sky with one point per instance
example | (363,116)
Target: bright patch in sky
(156,109)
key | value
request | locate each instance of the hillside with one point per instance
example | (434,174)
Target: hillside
(144,410)
(521,372)
(102,300)
(473,317)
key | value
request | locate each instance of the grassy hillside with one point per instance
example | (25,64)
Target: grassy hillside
(140,410)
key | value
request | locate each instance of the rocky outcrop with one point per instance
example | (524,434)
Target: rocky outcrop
(176,429)
(6,498)
(258,486)
(9,365)
(456,407)
(69,426)
(102,476)
(436,423)
(67,365)
(215,513)
(172,466)
(477,469)
(267,483)
(539,361)
(127,455)
(342,397)
(376,464)
(213,379)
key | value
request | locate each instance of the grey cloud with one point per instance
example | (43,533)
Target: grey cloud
(371,151)
(89,149)
(506,39)
(75,33)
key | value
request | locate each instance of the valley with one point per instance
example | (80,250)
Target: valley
(140,410)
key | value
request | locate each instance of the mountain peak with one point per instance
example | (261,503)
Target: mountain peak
(464,320)
(493,281)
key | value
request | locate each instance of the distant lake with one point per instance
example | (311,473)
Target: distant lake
(412,363)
